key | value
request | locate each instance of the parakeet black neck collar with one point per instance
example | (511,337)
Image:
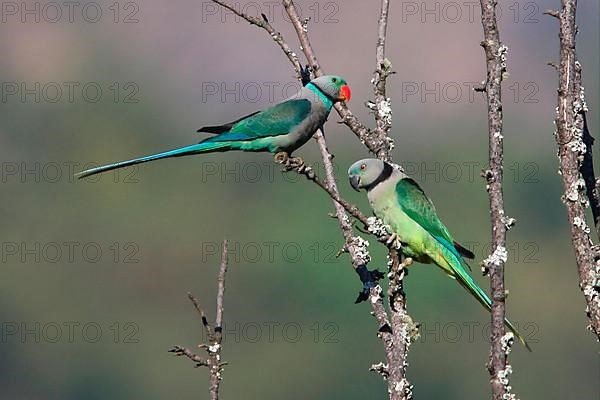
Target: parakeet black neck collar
(385,174)
(321,91)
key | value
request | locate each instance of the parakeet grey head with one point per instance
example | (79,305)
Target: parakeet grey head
(333,87)
(368,173)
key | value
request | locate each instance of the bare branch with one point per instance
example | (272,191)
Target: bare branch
(182,351)
(381,108)
(552,13)
(575,159)
(495,53)
(221,292)
(207,327)
(405,331)
(214,336)
(553,65)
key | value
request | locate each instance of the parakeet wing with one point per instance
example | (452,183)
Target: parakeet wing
(415,203)
(277,120)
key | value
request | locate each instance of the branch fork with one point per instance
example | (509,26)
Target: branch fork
(214,334)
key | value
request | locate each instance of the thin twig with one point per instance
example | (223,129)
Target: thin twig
(182,351)
(495,53)
(207,327)
(221,291)
(214,335)
(574,155)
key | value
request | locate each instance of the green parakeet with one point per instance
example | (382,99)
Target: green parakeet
(402,205)
(283,127)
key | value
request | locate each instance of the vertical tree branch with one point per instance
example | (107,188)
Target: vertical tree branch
(215,351)
(214,335)
(495,54)
(381,108)
(404,330)
(574,155)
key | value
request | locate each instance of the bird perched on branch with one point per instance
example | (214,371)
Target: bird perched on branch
(280,129)
(402,205)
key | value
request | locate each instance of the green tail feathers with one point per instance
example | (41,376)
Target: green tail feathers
(468,283)
(205,147)
(485,301)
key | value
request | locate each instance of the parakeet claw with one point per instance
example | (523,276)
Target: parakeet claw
(394,241)
(406,263)
(390,239)
(281,158)
(295,163)
(369,280)
(289,163)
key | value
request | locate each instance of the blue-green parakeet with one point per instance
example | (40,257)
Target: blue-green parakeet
(283,127)
(402,205)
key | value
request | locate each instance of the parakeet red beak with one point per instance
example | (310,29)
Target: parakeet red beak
(345,93)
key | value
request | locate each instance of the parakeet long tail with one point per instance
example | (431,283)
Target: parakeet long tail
(468,283)
(181,152)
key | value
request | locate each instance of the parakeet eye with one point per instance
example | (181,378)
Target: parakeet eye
(363,166)
(334,80)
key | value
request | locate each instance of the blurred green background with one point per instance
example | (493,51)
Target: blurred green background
(94,274)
